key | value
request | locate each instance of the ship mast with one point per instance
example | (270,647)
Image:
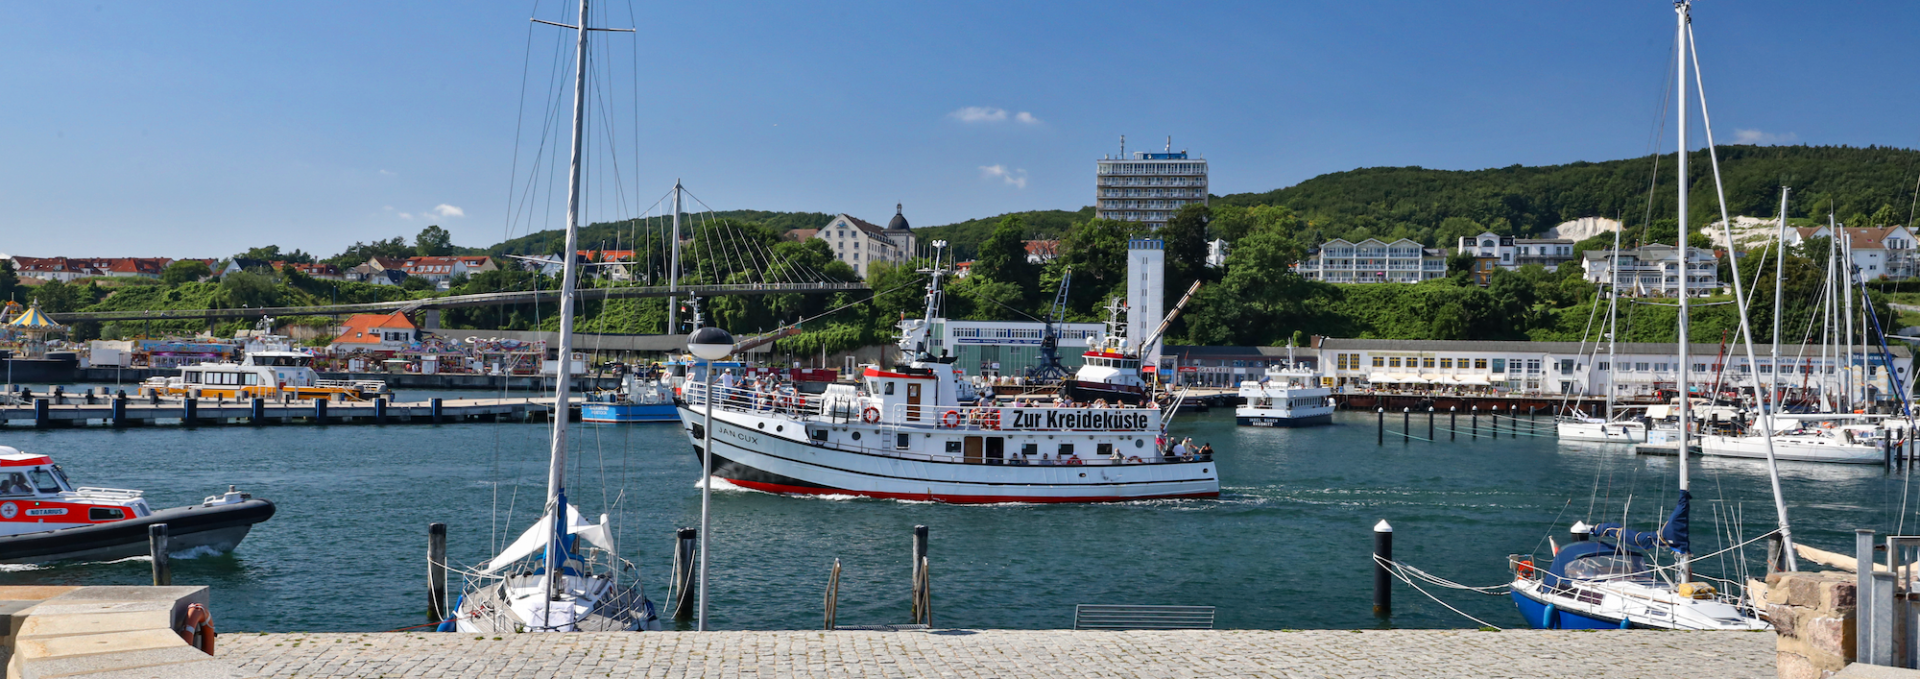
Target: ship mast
(1680,51)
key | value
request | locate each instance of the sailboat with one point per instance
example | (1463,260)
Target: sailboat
(563,574)
(1609,576)
(1581,427)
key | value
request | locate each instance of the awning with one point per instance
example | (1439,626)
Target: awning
(1473,380)
(34,320)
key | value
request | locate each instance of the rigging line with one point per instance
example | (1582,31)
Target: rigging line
(532,190)
(520,116)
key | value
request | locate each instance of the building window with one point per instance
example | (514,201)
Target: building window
(1499,365)
(1426,362)
(1393,362)
(1379,362)
(1479,364)
(1605,365)
(1446,364)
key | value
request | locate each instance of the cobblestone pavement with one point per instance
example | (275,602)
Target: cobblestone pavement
(965,653)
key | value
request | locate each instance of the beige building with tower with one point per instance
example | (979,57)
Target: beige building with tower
(859,242)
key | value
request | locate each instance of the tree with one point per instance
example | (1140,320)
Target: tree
(185,271)
(1096,250)
(55,297)
(246,289)
(417,283)
(1186,242)
(272,253)
(433,241)
(9,281)
(1003,258)
(392,248)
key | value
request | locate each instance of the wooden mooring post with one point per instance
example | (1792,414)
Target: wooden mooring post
(1453,423)
(1380,426)
(1406,422)
(687,543)
(919,608)
(157,548)
(437,572)
(1429,424)
(833,596)
(1476,424)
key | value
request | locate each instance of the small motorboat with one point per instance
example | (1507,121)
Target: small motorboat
(637,400)
(43,517)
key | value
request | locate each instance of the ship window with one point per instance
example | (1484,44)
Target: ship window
(190,377)
(105,514)
(902,440)
(888,390)
(819,434)
(1030,449)
(953,447)
(253,379)
(44,480)
(1105,450)
(15,483)
(1608,566)
(1066,450)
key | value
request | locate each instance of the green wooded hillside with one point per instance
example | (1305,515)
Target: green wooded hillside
(1436,207)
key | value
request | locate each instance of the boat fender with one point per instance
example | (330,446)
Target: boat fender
(1547,619)
(1626,623)
(950,419)
(870,416)
(1524,569)
(199,624)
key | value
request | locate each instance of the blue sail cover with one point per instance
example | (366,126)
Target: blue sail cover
(1673,535)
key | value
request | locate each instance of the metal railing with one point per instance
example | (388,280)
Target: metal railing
(1128,617)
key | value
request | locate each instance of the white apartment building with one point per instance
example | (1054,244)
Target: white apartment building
(859,242)
(1653,271)
(1373,261)
(1882,252)
(1149,187)
(1637,369)
(1512,253)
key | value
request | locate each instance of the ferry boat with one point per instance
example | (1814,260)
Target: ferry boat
(918,431)
(43,517)
(1111,367)
(262,374)
(636,401)
(1285,396)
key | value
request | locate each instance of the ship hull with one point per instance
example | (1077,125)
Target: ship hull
(219,528)
(1088,392)
(1245,418)
(619,413)
(777,455)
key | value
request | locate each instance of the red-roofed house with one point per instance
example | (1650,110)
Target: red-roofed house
(1879,252)
(477,264)
(1042,251)
(67,269)
(376,332)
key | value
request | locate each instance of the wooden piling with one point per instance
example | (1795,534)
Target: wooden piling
(380,410)
(257,415)
(1476,423)
(833,596)
(919,562)
(157,548)
(435,407)
(189,411)
(320,411)
(41,416)
(437,572)
(683,573)
(120,410)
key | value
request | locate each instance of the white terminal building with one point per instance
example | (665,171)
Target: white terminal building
(1148,187)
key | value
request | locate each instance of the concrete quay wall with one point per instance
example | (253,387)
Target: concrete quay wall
(963,654)
(132,376)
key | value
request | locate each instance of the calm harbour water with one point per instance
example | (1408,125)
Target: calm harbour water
(1285,546)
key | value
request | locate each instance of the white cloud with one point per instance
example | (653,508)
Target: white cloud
(405,215)
(989,114)
(1766,138)
(446,210)
(386,173)
(1017,176)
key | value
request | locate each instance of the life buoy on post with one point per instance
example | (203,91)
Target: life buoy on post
(950,419)
(870,416)
(198,623)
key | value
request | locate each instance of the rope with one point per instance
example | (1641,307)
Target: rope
(1437,600)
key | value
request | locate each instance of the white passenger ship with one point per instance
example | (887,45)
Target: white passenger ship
(917,432)
(1286,396)
(270,370)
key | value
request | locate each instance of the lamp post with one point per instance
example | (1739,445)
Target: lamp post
(710,344)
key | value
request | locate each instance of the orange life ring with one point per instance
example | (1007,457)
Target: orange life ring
(1074,460)
(950,419)
(1134,459)
(871,415)
(199,623)
(992,419)
(1524,568)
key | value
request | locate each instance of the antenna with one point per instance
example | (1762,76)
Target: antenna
(1169,143)
(1123,147)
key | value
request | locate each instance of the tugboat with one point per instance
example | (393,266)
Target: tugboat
(43,517)
(1111,370)
(1286,396)
(917,431)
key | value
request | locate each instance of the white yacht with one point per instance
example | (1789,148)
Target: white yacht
(1285,396)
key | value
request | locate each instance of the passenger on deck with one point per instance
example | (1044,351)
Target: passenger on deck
(1206,451)
(1180,449)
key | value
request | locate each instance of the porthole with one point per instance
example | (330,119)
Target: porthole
(1138,443)
(779,427)
(763,425)
(1203,470)
(1083,475)
(856,436)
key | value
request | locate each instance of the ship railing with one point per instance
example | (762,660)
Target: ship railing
(784,400)
(108,493)
(1026,418)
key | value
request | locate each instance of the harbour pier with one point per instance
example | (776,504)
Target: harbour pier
(47,413)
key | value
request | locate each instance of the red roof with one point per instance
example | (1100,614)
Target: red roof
(1043,248)
(359,327)
(430,265)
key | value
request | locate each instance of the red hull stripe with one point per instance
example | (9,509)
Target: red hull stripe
(25,461)
(783,489)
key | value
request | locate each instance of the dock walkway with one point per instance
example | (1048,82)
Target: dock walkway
(1007,653)
(138,412)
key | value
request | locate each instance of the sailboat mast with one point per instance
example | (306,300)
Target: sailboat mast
(1680,42)
(673,273)
(1613,318)
(1846,284)
(1779,275)
(570,271)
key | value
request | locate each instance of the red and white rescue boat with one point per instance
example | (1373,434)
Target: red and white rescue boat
(43,517)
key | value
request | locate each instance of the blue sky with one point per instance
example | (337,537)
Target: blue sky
(201,129)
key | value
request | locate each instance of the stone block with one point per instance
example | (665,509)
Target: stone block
(1831,634)
(34,592)
(31,648)
(1860,671)
(1795,666)
(1839,595)
(154,661)
(1785,619)
(95,617)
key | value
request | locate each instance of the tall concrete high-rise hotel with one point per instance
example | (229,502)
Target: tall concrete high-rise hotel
(1148,187)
